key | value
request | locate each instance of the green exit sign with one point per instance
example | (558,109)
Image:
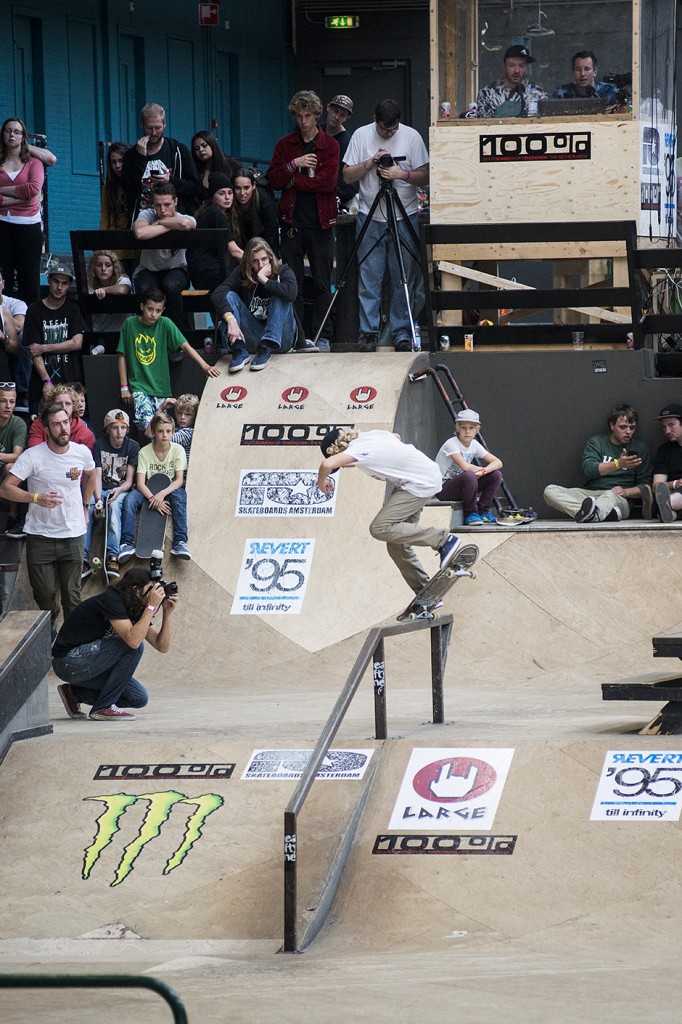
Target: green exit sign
(342,21)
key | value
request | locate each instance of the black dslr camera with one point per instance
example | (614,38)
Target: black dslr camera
(156,573)
(387,160)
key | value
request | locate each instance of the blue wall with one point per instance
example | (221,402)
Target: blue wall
(80,73)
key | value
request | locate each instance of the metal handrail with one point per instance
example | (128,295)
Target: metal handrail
(372,649)
(99,981)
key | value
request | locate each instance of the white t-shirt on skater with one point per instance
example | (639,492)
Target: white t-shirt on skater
(381,455)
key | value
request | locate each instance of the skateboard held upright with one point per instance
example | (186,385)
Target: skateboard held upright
(151,530)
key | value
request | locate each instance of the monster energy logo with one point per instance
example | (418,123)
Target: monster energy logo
(158,812)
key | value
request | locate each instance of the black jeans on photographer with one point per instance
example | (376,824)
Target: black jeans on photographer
(318,245)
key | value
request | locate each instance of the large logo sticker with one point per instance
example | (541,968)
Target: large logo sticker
(448,788)
(157,814)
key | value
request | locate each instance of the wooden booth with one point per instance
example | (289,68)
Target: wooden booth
(557,158)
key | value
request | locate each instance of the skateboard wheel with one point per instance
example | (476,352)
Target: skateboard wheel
(450,574)
(411,617)
(96,564)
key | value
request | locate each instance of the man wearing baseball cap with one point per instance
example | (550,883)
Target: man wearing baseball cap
(339,110)
(667,481)
(53,335)
(115,456)
(510,96)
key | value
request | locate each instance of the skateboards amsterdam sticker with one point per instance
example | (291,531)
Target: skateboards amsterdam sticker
(282,492)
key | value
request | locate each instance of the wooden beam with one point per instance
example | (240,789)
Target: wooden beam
(502,282)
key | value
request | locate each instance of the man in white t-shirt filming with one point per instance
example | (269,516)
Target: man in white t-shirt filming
(60,477)
(416,478)
(386,151)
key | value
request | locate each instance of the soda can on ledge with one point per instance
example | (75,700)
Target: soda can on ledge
(468,343)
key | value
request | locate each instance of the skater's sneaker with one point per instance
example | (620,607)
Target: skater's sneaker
(448,549)
(647,501)
(125,553)
(614,516)
(308,346)
(368,342)
(668,514)
(113,568)
(240,358)
(111,714)
(473,519)
(403,345)
(324,345)
(15,528)
(180,550)
(71,705)
(261,358)
(86,571)
(488,517)
(588,512)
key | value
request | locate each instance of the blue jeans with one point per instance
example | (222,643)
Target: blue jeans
(114,526)
(133,502)
(371,276)
(278,331)
(101,674)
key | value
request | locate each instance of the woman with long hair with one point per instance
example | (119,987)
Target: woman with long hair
(210,159)
(113,210)
(106,277)
(21,235)
(208,267)
(256,210)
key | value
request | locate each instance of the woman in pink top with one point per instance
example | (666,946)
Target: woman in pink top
(21,238)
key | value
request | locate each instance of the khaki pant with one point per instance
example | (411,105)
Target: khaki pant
(569,500)
(55,563)
(397,524)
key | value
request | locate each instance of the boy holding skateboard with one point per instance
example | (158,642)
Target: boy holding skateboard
(143,347)
(161,457)
(115,456)
(415,477)
(463,479)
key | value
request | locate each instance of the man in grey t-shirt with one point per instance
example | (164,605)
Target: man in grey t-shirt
(163,268)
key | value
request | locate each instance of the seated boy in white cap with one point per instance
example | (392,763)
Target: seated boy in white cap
(463,478)
(115,456)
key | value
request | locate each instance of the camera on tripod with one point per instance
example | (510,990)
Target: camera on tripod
(156,573)
(387,161)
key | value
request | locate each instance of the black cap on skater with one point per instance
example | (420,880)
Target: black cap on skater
(330,438)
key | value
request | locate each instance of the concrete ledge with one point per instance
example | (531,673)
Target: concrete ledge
(23,677)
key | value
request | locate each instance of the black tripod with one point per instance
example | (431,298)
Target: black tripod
(388,193)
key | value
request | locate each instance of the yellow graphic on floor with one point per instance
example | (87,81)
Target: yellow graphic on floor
(158,812)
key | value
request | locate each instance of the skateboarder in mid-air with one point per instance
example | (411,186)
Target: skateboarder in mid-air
(415,477)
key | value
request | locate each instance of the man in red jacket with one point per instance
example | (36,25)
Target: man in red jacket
(305,166)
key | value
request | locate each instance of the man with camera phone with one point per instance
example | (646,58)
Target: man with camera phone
(380,155)
(101,643)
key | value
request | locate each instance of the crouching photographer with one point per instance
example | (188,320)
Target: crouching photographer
(101,643)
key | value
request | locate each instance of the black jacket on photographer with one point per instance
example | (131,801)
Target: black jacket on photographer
(91,620)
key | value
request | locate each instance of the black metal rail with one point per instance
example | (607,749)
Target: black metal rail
(99,981)
(372,650)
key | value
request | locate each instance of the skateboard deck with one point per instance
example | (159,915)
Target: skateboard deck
(516,516)
(151,530)
(98,540)
(423,603)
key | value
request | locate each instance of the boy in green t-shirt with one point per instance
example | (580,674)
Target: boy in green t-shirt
(161,456)
(143,346)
